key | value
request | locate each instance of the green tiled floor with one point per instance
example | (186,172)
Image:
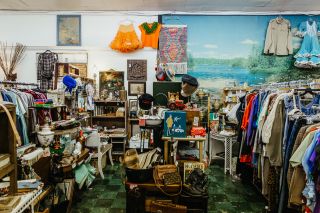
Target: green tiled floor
(225,195)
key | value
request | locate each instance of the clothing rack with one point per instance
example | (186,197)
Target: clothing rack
(288,84)
(19,83)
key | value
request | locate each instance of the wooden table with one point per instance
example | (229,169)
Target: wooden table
(169,139)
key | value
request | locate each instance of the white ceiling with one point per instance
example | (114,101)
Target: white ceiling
(162,5)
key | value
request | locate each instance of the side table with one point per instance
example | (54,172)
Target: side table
(168,140)
(228,142)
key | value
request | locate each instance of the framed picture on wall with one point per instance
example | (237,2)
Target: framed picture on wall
(136,88)
(137,70)
(110,83)
(68,30)
(133,104)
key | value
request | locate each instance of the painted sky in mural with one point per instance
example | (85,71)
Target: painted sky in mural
(223,50)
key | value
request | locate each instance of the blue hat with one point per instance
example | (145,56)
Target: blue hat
(69,82)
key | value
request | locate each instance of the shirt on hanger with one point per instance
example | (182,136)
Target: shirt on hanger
(278,38)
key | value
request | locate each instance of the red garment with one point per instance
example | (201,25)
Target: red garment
(246,114)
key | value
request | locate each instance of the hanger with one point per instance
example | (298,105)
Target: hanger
(126,21)
(310,20)
(48,51)
(306,91)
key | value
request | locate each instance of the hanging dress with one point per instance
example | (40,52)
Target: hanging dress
(126,39)
(309,54)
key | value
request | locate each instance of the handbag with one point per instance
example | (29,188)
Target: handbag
(171,178)
(166,207)
(167,175)
(131,159)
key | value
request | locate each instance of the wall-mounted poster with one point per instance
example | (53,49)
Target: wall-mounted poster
(223,49)
(110,82)
(175,124)
(68,30)
(137,70)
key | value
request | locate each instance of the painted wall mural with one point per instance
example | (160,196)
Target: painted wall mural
(226,50)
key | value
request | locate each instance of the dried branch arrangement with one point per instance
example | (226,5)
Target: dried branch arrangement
(10,57)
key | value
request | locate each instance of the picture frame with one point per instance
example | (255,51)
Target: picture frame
(136,88)
(136,70)
(133,103)
(110,82)
(68,30)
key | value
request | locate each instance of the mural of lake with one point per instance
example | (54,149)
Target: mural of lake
(223,49)
(216,76)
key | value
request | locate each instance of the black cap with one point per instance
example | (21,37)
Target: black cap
(145,101)
(190,80)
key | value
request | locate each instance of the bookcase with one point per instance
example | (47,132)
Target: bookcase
(8,147)
(106,115)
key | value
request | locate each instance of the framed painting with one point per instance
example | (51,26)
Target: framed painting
(110,83)
(68,30)
(136,88)
(137,70)
(133,104)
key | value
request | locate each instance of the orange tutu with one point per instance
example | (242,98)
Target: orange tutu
(126,39)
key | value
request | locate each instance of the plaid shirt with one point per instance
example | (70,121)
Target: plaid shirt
(46,67)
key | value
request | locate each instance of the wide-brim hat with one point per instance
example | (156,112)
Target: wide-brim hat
(170,74)
(189,85)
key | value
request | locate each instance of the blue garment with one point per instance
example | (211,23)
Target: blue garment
(308,153)
(20,119)
(309,54)
(309,190)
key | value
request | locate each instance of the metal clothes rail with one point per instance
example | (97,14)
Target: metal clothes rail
(312,83)
(19,83)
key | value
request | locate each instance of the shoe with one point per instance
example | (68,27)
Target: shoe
(191,191)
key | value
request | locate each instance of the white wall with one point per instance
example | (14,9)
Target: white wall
(38,32)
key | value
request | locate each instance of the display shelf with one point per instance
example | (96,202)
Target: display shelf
(47,107)
(26,201)
(44,194)
(67,131)
(6,170)
(117,153)
(106,116)
(106,101)
(8,144)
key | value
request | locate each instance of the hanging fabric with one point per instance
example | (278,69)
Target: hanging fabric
(46,68)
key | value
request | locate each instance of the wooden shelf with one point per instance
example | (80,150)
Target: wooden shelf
(65,132)
(117,153)
(183,139)
(133,119)
(6,170)
(110,101)
(9,106)
(8,144)
(106,116)
(47,107)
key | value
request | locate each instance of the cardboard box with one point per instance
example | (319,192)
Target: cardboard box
(175,124)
